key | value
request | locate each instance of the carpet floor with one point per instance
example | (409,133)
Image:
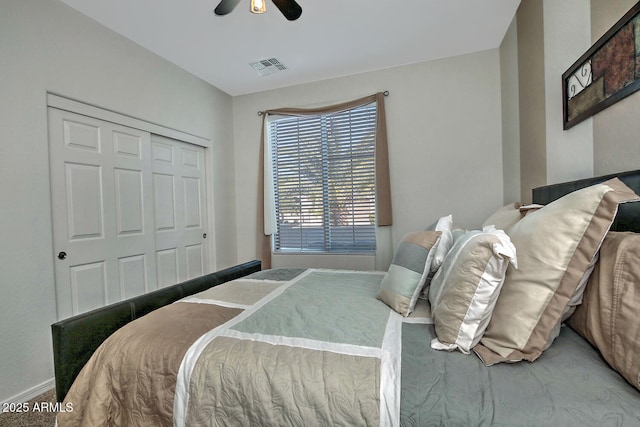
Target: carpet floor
(39,412)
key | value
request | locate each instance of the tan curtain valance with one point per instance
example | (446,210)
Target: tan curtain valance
(383,185)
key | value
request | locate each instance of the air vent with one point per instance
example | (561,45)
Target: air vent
(266,67)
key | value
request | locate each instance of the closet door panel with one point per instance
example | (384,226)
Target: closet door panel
(102,212)
(180,209)
(128,211)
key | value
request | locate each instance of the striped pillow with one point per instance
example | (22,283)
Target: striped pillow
(464,291)
(408,271)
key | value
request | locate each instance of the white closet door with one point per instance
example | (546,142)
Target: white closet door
(102,210)
(179,210)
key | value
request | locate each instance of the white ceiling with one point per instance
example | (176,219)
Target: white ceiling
(332,38)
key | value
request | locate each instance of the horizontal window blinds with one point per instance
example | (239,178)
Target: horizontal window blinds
(324,181)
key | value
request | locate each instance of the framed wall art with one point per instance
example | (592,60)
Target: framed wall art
(608,72)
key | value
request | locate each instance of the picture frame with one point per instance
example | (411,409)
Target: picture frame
(605,74)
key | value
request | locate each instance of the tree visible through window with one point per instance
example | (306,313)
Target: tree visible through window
(324,181)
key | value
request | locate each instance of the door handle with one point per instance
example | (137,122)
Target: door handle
(62,255)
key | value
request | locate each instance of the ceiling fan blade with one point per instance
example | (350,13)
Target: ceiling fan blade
(225,6)
(289,8)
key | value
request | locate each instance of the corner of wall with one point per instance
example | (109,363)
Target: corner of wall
(531,58)
(510,115)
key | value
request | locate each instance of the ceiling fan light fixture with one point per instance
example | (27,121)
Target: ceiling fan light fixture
(258,6)
(289,8)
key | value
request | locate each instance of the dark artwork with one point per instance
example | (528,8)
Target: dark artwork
(606,73)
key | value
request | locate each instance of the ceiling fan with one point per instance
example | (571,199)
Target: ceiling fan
(289,8)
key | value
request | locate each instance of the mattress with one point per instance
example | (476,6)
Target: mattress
(315,347)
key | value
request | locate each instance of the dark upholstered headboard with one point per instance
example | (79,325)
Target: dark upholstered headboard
(628,217)
(76,338)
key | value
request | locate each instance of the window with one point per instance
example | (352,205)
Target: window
(324,182)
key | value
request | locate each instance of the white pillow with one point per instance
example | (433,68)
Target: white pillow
(444,225)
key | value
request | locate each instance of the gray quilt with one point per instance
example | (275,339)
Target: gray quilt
(315,347)
(569,385)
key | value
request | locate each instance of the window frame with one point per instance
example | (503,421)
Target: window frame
(368,139)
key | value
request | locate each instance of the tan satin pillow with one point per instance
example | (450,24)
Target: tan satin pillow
(555,245)
(609,317)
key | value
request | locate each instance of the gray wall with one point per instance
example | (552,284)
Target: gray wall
(616,129)
(552,35)
(510,115)
(47,47)
(445,140)
(533,165)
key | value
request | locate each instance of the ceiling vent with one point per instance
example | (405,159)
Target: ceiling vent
(267,67)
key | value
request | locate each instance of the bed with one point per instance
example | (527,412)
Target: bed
(339,347)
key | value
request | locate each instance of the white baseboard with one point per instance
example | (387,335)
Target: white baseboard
(29,394)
